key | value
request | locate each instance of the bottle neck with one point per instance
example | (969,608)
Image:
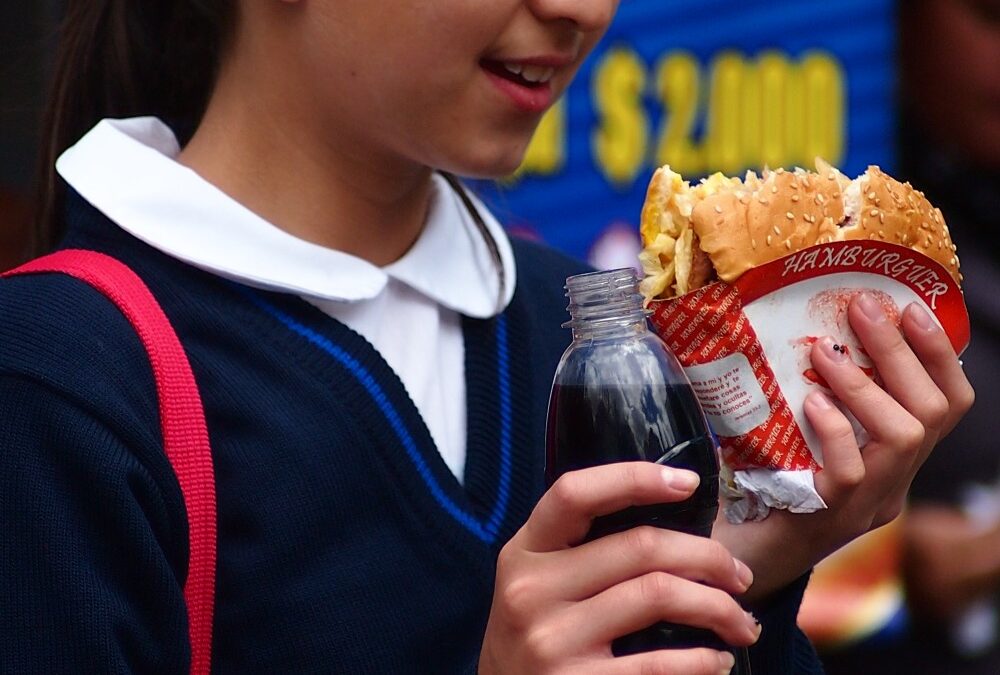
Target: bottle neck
(605,305)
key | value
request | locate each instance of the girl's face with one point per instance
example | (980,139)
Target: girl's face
(457,85)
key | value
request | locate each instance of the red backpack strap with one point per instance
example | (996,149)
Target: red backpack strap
(182,418)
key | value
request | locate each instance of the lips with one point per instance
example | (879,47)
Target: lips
(527,85)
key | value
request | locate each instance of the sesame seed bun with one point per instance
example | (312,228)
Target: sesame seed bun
(738,224)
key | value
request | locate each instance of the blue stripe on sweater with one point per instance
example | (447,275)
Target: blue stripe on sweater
(487,534)
(503,486)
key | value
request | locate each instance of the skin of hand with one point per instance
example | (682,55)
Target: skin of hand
(923,395)
(559,602)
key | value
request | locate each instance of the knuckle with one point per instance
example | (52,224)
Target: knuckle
(539,643)
(720,558)
(935,410)
(654,588)
(643,543)
(519,598)
(850,475)
(565,492)
(840,431)
(506,561)
(911,435)
(634,478)
(856,386)
(723,609)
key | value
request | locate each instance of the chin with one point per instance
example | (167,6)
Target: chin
(497,161)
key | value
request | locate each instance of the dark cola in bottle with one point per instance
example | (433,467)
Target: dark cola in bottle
(620,395)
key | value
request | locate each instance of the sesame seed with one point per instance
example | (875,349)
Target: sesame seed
(788,244)
(780,171)
(831,176)
(768,240)
(952,261)
(881,218)
(871,195)
(820,198)
(789,215)
(805,182)
(795,198)
(753,243)
(794,186)
(776,229)
(873,213)
(927,242)
(836,195)
(718,209)
(763,201)
(881,234)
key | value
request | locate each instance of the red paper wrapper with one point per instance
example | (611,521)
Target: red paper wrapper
(745,347)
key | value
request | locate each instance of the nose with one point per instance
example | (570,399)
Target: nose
(586,15)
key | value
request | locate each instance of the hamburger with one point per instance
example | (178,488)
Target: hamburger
(723,226)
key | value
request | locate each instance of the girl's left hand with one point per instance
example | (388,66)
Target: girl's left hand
(923,395)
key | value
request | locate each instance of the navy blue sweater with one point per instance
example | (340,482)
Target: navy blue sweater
(345,543)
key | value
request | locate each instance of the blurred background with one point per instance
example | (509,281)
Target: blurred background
(730,85)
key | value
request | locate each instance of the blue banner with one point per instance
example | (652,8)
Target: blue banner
(715,85)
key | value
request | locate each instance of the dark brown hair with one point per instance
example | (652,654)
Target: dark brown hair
(123,58)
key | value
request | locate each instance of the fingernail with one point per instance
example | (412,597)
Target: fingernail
(755,626)
(870,308)
(836,352)
(922,318)
(679,479)
(820,400)
(743,573)
(727,661)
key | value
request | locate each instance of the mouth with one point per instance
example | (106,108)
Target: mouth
(521,74)
(527,85)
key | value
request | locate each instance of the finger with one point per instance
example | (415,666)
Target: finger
(878,412)
(563,515)
(616,558)
(937,355)
(651,598)
(665,662)
(902,374)
(843,467)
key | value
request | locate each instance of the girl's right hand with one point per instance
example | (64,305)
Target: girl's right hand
(559,603)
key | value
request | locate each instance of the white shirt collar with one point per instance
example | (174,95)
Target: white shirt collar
(127,170)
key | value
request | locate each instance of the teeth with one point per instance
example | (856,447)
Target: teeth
(536,74)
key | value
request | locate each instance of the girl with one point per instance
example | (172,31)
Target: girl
(374,357)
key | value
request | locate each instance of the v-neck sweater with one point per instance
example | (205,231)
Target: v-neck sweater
(345,543)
